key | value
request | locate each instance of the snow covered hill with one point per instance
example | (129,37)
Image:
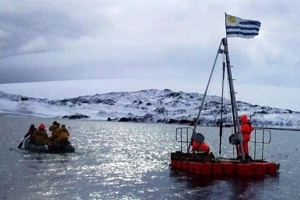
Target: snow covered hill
(150,106)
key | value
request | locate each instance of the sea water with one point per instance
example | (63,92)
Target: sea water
(131,161)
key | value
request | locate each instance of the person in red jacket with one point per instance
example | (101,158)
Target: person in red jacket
(246,129)
(202,147)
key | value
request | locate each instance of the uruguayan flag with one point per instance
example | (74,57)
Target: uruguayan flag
(237,27)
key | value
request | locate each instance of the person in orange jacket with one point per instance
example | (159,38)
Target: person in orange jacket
(202,147)
(63,136)
(246,129)
(53,127)
(59,136)
(40,136)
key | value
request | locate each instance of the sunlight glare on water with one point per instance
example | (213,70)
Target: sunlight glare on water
(130,161)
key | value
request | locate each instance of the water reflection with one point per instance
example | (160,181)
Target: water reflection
(217,188)
(125,161)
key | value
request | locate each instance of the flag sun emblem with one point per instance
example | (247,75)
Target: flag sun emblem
(231,19)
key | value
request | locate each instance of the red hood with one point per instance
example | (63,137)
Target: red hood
(244,119)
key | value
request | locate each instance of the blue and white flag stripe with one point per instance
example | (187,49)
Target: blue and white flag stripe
(237,27)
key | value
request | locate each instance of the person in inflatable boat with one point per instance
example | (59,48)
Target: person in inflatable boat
(246,129)
(60,136)
(54,127)
(40,136)
(30,132)
(55,132)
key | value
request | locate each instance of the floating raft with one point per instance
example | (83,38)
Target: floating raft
(206,165)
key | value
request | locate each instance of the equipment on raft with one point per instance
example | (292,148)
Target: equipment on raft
(206,164)
(65,148)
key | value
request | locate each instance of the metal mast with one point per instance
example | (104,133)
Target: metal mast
(236,122)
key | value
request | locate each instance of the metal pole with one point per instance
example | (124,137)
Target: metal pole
(205,93)
(237,128)
(222,97)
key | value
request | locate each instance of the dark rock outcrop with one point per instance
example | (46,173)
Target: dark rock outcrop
(76,116)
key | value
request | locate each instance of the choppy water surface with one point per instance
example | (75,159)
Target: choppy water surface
(131,161)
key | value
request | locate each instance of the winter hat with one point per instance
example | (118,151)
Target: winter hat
(42,126)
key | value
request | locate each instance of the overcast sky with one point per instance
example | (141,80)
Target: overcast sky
(46,40)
